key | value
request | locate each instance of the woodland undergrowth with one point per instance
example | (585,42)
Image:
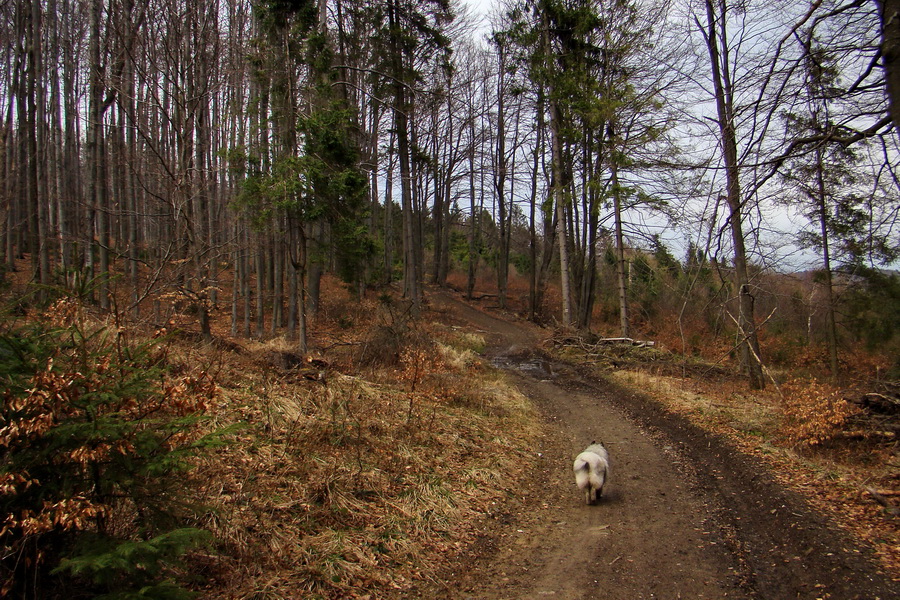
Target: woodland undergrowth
(362,479)
(97,441)
(139,462)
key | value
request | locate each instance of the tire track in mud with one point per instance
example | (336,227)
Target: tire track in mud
(649,537)
(684,515)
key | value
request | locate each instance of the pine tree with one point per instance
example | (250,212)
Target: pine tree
(827,186)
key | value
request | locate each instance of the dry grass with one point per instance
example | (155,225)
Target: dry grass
(356,486)
(752,414)
(834,477)
(363,481)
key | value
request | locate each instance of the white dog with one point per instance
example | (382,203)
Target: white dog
(591,468)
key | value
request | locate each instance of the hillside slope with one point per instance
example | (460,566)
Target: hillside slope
(685,514)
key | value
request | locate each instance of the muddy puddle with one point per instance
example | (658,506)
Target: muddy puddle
(528,363)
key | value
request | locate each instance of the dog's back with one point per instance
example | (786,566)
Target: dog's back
(591,467)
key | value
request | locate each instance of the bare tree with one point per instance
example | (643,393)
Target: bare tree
(715,33)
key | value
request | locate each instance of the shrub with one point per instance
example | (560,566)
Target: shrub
(814,412)
(94,442)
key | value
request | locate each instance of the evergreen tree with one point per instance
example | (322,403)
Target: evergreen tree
(827,185)
(97,441)
(586,56)
(314,186)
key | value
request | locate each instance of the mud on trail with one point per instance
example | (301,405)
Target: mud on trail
(684,514)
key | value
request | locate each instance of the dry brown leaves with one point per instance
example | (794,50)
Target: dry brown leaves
(814,412)
(832,475)
(352,486)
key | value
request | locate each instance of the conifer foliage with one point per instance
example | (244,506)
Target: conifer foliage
(94,444)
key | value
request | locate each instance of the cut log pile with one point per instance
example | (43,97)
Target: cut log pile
(879,420)
(593,345)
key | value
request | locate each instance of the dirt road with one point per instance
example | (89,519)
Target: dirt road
(684,515)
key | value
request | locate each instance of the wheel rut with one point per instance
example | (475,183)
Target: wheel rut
(684,515)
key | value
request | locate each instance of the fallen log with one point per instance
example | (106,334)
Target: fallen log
(880,496)
(626,340)
(865,435)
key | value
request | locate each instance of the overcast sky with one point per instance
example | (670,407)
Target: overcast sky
(480,6)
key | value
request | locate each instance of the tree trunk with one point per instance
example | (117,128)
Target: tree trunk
(34,200)
(235,288)
(388,264)
(246,293)
(830,326)
(297,254)
(72,172)
(559,195)
(444,267)
(411,288)
(533,307)
(39,131)
(7,263)
(587,277)
(96,182)
(558,188)
(260,287)
(472,263)
(314,268)
(500,173)
(278,287)
(201,252)
(402,109)
(890,54)
(373,157)
(749,344)
(441,180)
(620,251)
(131,192)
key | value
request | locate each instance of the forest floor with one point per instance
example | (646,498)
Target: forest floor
(399,480)
(685,514)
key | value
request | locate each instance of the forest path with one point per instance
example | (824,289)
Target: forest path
(684,515)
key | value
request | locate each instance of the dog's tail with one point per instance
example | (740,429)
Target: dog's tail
(582,473)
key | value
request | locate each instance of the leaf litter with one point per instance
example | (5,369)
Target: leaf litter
(359,484)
